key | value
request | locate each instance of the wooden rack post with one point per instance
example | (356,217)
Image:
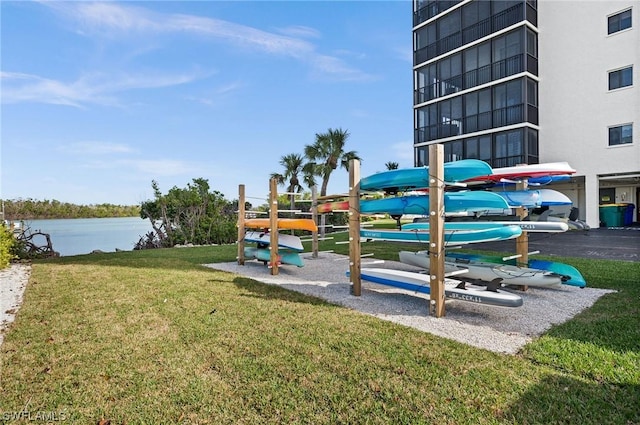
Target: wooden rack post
(273,225)
(436,229)
(354,227)
(241,229)
(522,241)
(314,217)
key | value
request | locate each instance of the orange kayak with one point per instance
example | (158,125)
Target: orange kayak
(283,223)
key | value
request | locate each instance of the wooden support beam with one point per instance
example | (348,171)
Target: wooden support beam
(522,241)
(273,224)
(314,217)
(241,229)
(436,230)
(354,227)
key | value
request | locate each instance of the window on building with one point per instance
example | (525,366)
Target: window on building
(474,12)
(471,148)
(453,151)
(532,43)
(621,135)
(508,149)
(619,21)
(450,74)
(532,146)
(484,143)
(532,92)
(621,78)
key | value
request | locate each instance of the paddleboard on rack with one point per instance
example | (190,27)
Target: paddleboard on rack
(283,223)
(529,226)
(418,177)
(285,241)
(534,198)
(453,289)
(572,275)
(536,226)
(456,233)
(521,198)
(487,272)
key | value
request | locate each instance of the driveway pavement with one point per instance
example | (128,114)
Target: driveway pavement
(603,243)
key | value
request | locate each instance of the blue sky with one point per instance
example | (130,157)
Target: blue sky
(99,99)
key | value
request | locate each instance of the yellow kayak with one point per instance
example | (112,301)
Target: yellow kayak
(283,223)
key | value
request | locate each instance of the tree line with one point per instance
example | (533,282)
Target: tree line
(32,209)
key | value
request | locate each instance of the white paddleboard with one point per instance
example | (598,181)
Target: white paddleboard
(487,272)
(454,289)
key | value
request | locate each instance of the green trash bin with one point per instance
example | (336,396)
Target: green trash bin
(612,215)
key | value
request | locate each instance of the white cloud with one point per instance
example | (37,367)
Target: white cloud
(332,68)
(212,97)
(300,31)
(95,148)
(112,19)
(116,20)
(94,88)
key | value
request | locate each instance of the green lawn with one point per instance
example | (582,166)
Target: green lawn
(152,337)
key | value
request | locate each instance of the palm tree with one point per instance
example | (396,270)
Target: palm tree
(293,164)
(391,165)
(326,154)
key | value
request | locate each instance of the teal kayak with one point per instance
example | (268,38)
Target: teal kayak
(454,233)
(284,256)
(418,177)
(469,201)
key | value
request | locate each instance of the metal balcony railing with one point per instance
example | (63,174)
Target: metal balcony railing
(471,33)
(504,68)
(429,9)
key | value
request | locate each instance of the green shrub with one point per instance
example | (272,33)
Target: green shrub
(6,246)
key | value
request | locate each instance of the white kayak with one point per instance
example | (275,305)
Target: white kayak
(487,272)
(285,241)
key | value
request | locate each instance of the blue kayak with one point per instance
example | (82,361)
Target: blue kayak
(418,177)
(419,204)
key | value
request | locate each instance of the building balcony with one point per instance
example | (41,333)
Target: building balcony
(471,33)
(495,71)
(449,127)
(428,9)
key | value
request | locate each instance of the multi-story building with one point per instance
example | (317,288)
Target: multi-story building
(524,81)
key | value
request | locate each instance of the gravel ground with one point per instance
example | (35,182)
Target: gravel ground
(13,281)
(499,329)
